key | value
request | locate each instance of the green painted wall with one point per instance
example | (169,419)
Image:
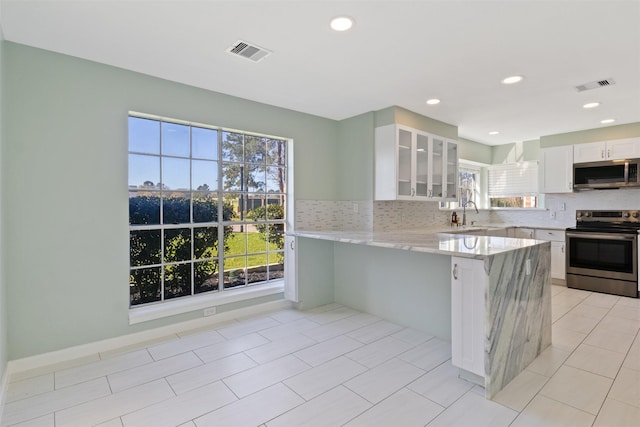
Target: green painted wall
(65,154)
(591,135)
(354,158)
(410,288)
(3,290)
(399,115)
(427,124)
(471,150)
(386,116)
(531,150)
(515,152)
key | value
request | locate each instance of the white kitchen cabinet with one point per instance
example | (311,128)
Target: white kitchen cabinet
(498,232)
(628,148)
(589,152)
(558,256)
(444,169)
(616,149)
(414,165)
(468,285)
(522,233)
(290,269)
(556,169)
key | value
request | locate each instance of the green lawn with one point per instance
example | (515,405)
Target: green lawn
(238,246)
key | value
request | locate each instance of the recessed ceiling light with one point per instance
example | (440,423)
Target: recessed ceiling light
(591,105)
(494,132)
(341,23)
(605,121)
(433,101)
(511,80)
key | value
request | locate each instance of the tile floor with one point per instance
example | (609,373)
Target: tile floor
(334,366)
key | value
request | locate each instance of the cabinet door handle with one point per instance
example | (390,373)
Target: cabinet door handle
(562,248)
(291,245)
(602,154)
(608,153)
(413,192)
(455,271)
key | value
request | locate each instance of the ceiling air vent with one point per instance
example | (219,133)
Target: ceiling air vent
(248,51)
(596,84)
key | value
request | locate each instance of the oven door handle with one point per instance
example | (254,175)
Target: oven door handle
(604,236)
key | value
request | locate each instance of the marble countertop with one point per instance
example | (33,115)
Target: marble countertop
(544,227)
(428,241)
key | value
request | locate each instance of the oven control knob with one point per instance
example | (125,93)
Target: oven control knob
(625,215)
(587,214)
(635,215)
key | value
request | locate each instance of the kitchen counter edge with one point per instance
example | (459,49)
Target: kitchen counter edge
(432,241)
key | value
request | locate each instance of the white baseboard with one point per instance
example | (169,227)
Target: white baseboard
(110,344)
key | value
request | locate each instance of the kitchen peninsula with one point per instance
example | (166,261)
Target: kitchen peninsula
(489,296)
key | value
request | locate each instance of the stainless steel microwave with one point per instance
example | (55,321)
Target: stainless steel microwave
(607,174)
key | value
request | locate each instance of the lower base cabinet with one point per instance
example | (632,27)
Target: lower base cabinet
(291,269)
(558,256)
(468,284)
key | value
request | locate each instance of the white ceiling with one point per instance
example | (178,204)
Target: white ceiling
(398,53)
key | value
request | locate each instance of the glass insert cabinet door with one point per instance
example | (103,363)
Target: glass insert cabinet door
(451,171)
(422,165)
(405,163)
(411,164)
(437,183)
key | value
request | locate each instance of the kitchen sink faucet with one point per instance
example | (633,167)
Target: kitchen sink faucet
(464,211)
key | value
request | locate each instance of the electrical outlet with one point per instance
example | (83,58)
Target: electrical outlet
(209,311)
(552,214)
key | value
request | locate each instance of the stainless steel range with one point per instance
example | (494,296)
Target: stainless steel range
(602,252)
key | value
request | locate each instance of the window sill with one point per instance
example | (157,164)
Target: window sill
(200,302)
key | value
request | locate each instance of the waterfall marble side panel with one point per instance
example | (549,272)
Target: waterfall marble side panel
(518,303)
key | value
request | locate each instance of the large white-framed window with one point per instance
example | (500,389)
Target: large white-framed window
(206,209)
(470,186)
(502,186)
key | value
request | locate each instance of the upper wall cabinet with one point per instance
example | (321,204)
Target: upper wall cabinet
(414,165)
(556,169)
(616,149)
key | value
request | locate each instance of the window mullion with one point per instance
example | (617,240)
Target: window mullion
(221,225)
(162,265)
(191,222)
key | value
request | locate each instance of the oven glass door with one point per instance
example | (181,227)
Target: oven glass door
(610,255)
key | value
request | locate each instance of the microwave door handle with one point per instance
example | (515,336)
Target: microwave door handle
(626,172)
(604,236)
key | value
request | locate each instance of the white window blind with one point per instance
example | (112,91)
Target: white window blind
(513,179)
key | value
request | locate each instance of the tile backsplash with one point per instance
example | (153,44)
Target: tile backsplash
(400,214)
(334,215)
(368,215)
